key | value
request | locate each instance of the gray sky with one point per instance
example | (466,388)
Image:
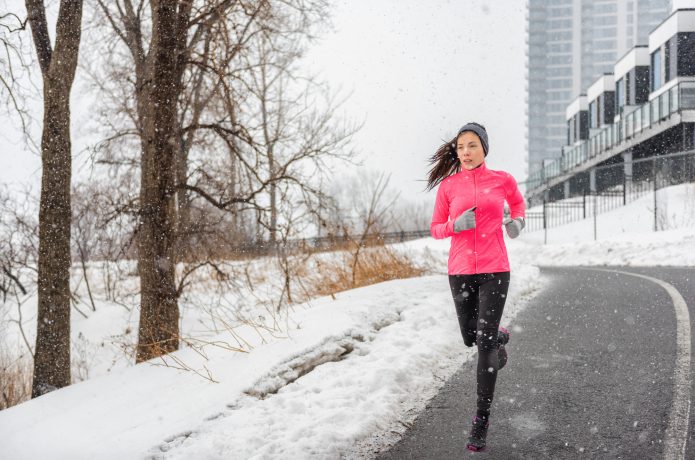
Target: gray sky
(419,70)
(416,71)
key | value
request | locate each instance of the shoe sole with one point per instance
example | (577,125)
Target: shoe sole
(475,448)
(503,357)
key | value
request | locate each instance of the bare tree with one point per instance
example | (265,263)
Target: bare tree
(409,215)
(373,208)
(19,248)
(297,132)
(58,64)
(363,209)
(177,30)
(198,199)
(86,203)
(13,66)
(159,86)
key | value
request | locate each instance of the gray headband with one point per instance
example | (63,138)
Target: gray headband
(480,131)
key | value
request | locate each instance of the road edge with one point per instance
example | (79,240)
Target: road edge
(676,435)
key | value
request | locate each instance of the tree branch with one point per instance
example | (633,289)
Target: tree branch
(36,12)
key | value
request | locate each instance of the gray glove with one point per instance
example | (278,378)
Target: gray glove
(514,226)
(465,221)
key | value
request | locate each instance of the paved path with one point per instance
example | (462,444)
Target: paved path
(591,375)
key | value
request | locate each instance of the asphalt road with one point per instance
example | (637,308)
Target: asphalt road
(591,372)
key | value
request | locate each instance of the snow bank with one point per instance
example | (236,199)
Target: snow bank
(350,367)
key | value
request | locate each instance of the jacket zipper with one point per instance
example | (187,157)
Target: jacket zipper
(475,230)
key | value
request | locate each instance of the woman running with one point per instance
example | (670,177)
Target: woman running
(470,209)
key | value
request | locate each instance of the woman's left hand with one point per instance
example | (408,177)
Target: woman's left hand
(514,226)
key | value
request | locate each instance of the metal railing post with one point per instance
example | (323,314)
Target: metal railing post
(545,223)
(595,213)
(655,188)
(584,205)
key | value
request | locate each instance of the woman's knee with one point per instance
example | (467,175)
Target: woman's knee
(487,339)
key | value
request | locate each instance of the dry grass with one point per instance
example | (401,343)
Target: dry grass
(15,381)
(374,265)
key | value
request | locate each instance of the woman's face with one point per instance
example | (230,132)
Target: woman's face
(469,149)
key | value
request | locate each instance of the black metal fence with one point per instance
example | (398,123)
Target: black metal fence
(327,243)
(649,175)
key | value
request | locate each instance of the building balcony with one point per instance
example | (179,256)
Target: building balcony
(677,105)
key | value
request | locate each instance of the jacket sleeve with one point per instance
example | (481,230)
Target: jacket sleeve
(441,227)
(517,205)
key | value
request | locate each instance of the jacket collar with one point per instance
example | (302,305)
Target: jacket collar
(477,171)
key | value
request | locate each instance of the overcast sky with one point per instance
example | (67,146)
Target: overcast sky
(419,70)
(416,71)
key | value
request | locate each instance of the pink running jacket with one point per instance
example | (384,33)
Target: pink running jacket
(480,249)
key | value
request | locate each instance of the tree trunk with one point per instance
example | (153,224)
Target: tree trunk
(273,201)
(52,353)
(269,141)
(185,245)
(157,107)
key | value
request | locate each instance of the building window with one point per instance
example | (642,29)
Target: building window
(592,114)
(559,47)
(559,24)
(604,57)
(667,61)
(628,90)
(603,45)
(561,59)
(604,32)
(656,70)
(605,8)
(684,54)
(559,36)
(559,71)
(556,108)
(559,83)
(620,94)
(558,95)
(555,12)
(605,20)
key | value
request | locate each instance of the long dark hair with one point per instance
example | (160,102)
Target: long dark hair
(445,163)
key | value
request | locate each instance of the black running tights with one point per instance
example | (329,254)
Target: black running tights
(479,301)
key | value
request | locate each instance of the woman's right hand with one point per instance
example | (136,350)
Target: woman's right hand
(465,221)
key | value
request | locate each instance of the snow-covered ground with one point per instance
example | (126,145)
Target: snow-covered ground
(345,376)
(625,236)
